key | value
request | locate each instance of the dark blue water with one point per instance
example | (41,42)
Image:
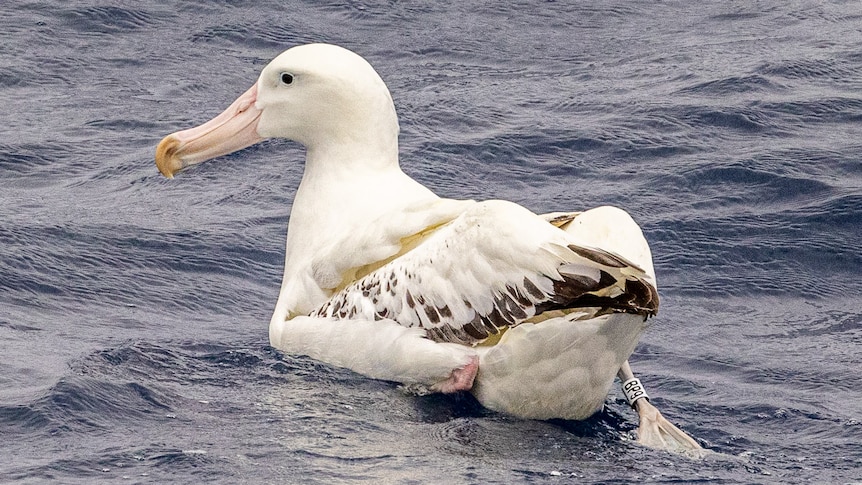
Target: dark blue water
(134,310)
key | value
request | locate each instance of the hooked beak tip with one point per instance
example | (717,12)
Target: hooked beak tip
(167,156)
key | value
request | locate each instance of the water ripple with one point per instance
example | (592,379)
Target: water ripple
(109,19)
(134,309)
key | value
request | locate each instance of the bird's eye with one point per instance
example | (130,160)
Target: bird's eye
(286,78)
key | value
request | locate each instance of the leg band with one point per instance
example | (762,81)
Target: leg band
(634,390)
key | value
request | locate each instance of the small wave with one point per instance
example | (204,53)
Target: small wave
(178,459)
(460,432)
(210,364)
(125,125)
(736,118)
(77,404)
(829,69)
(113,464)
(29,158)
(732,85)
(823,110)
(15,77)
(839,214)
(109,19)
(750,182)
(736,16)
(257,36)
(232,33)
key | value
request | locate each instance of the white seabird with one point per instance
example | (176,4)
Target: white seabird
(535,315)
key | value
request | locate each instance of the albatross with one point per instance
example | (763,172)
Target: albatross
(535,315)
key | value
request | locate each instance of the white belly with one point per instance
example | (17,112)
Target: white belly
(557,368)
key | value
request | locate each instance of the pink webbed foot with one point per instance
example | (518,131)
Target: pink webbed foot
(461,379)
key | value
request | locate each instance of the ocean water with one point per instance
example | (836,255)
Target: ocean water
(134,309)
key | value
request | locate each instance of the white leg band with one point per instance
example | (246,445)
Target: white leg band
(634,390)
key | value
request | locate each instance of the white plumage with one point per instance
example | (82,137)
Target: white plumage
(494,266)
(386,278)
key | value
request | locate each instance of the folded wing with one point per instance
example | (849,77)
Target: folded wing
(493,267)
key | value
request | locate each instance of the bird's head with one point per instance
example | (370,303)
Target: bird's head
(322,96)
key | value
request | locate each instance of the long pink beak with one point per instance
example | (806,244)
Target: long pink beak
(234,129)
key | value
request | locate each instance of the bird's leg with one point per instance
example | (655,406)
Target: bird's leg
(654,431)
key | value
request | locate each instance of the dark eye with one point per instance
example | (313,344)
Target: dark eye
(286,78)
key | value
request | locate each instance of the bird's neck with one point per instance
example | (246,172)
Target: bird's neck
(349,188)
(342,160)
(338,196)
(333,204)
(363,139)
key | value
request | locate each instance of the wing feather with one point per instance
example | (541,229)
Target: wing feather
(493,267)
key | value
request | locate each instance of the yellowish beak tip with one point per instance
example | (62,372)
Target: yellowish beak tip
(167,159)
